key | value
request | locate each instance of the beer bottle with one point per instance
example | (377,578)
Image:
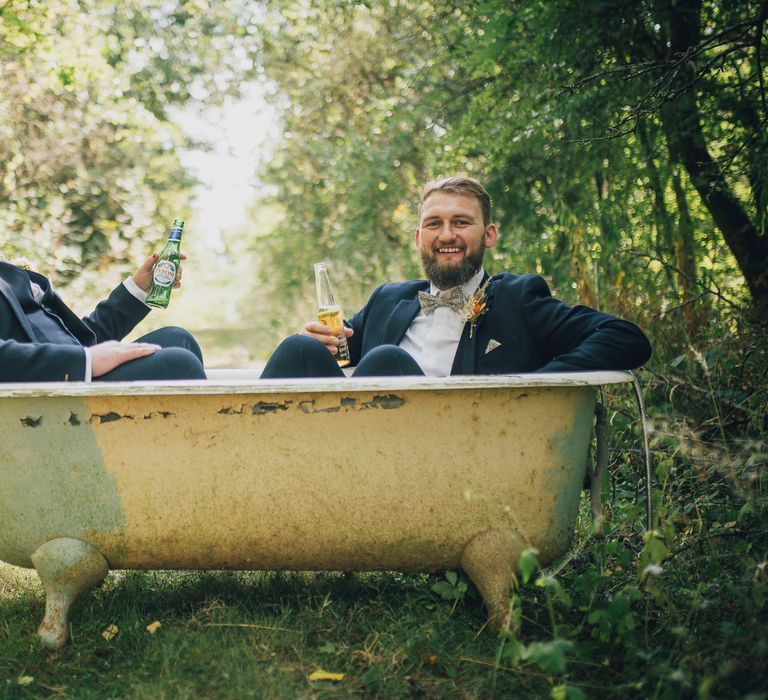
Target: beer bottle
(329,312)
(167,264)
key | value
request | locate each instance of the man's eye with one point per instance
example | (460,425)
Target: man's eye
(461,222)
(432,224)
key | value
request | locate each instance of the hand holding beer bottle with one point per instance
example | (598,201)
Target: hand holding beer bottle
(167,265)
(329,313)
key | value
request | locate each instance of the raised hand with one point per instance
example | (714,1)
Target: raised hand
(143,276)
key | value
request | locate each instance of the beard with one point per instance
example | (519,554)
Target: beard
(446,276)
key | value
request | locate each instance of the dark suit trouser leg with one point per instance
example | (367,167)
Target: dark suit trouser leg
(298,356)
(180,357)
(387,361)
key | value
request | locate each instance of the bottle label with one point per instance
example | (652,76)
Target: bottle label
(165,273)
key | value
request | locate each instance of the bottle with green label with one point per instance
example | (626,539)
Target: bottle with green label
(167,264)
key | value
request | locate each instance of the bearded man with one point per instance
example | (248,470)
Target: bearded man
(459,320)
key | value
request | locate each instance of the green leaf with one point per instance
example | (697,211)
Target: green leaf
(550,656)
(528,563)
(676,361)
(445,590)
(567,692)
(552,586)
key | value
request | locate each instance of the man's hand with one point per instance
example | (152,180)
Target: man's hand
(110,354)
(323,333)
(143,276)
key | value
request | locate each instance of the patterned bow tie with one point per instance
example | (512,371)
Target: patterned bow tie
(453,299)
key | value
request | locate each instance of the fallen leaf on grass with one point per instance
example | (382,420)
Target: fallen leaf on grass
(153,627)
(325,676)
(25,680)
(55,689)
(110,632)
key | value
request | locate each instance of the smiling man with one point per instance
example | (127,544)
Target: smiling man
(459,320)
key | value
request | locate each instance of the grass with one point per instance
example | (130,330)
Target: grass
(236,634)
(592,626)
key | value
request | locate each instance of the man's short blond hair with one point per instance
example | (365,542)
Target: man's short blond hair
(462,185)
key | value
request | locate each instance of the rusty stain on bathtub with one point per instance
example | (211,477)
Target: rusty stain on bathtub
(231,411)
(350,403)
(162,414)
(30,422)
(263,407)
(110,417)
(309,407)
(387,401)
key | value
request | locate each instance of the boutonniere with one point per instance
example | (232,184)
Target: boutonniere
(475,307)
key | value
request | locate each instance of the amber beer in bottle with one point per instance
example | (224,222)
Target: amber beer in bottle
(167,264)
(329,312)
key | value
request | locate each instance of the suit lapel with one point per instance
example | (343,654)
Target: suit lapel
(9,290)
(14,284)
(466,353)
(464,360)
(399,320)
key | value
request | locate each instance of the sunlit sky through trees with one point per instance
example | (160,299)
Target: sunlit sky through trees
(236,140)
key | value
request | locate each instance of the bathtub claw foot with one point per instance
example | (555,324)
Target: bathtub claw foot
(66,567)
(489,560)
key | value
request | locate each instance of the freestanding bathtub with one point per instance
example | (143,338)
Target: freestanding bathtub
(409,474)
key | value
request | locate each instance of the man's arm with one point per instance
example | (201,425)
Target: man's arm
(40,362)
(579,337)
(50,362)
(118,315)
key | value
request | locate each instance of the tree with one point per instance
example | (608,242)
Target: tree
(89,166)
(598,129)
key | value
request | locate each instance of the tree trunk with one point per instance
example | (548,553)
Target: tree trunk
(682,122)
(661,216)
(685,257)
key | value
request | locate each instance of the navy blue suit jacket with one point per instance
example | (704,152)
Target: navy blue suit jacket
(23,359)
(535,331)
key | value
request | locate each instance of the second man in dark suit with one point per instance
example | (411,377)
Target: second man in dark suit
(42,339)
(460,320)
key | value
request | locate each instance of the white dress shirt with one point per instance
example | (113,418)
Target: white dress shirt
(130,285)
(432,340)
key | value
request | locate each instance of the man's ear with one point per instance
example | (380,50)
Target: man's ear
(491,235)
(418,238)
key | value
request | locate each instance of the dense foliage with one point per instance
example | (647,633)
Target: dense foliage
(624,144)
(89,166)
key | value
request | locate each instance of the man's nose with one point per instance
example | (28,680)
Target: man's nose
(446,231)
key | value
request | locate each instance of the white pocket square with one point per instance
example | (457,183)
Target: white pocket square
(492,345)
